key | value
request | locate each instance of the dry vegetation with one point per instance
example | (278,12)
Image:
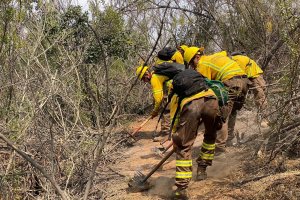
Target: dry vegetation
(67,80)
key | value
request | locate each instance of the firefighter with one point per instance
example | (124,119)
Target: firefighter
(258,84)
(194,103)
(169,54)
(159,77)
(220,67)
(182,48)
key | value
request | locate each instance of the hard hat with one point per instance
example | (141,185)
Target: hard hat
(190,52)
(177,57)
(183,47)
(141,70)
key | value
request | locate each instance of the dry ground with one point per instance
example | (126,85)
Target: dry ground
(227,178)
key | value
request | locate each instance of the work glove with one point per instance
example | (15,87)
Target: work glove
(154,114)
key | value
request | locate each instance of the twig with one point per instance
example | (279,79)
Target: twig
(104,61)
(265,61)
(122,175)
(11,157)
(113,120)
(158,6)
(284,104)
(37,166)
(275,152)
(256,178)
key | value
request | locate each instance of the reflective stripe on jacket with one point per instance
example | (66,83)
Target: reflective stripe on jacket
(219,67)
(248,65)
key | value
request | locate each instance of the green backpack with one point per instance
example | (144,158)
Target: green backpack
(219,89)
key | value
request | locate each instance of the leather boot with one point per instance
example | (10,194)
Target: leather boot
(181,194)
(201,173)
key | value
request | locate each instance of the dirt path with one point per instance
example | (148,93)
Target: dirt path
(141,157)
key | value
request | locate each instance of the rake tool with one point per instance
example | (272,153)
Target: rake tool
(139,128)
(139,181)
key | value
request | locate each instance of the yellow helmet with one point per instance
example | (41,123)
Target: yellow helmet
(177,57)
(190,52)
(183,47)
(141,70)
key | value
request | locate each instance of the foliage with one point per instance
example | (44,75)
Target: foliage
(65,72)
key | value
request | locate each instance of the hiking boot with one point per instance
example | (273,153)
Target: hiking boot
(229,143)
(201,173)
(160,138)
(181,194)
(219,151)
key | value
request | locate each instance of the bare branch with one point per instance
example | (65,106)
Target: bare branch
(37,166)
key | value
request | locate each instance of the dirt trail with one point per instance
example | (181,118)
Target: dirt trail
(141,157)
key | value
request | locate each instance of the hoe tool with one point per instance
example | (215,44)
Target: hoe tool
(139,182)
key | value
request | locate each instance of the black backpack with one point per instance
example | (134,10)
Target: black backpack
(166,53)
(185,84)
(168,69)
(188,83)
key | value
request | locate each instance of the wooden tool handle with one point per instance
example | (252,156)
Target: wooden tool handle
(141,126)
(158,165)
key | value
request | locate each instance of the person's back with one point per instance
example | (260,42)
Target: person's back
(219,67)
(250,67)
(197,104)
(258,84)
(159,77)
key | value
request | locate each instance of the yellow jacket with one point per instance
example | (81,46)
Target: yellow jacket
(219,67)
(157,84)
(248,65)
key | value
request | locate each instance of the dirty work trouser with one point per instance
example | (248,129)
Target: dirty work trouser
(165,120)
(238,88)
(205,109)
(259,85)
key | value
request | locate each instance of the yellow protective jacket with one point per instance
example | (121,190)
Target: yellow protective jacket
(248,65)
(157,83)
(219,67)
(174,104)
